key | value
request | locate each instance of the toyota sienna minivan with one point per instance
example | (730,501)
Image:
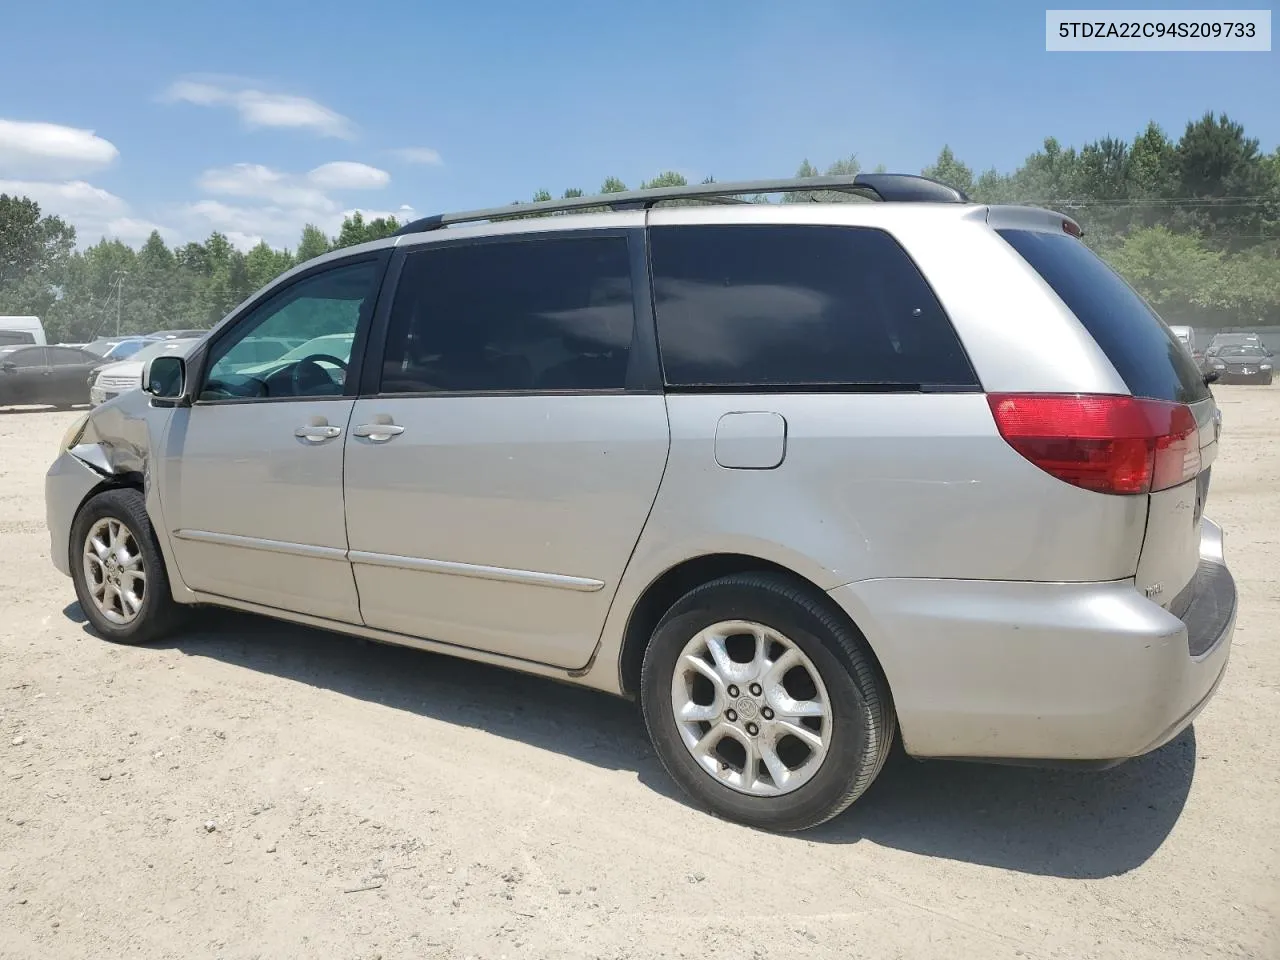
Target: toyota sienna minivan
(804,479)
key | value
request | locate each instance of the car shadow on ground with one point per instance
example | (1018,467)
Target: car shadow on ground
(1063,823)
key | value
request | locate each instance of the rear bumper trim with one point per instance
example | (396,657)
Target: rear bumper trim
(1033,671)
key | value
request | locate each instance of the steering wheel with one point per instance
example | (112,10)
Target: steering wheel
(315,375)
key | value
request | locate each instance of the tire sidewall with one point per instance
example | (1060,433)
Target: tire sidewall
(850,716)
(115,505)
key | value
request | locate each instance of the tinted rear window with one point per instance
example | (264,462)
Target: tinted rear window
(798,306)
(1143,350)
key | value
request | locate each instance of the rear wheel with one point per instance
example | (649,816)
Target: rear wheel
(763,704)
(118,569)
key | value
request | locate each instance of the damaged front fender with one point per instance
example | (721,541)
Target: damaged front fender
(114,446)
(118,437)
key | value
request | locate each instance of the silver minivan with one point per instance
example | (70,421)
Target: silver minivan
(804,479)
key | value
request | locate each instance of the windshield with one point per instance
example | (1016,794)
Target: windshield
(1247,351)
(125,349)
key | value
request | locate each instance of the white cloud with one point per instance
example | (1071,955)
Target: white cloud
(346,175)
(288,201)
(280,226)
(50,149)
(243,241)
(263,183)
(246,226)
(70,199)
(258,108)
(93,211)
(423,155)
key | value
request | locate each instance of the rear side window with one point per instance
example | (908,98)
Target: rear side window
(31,357)
(547,314)
(65,356)
(1143,350)
(751,306)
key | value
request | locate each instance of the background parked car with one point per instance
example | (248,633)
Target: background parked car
(178,334)
(114,379)
(56,375)
(14,330)
(1242,363)
(117,348)
(333,345)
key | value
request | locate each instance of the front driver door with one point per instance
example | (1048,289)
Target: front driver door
(252,488)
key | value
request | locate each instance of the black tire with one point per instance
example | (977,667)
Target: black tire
(158,614)
(863,721)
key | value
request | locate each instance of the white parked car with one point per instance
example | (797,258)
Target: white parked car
(117,378)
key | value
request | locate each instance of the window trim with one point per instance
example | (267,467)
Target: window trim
(826,387)
(643,374)
(198,365)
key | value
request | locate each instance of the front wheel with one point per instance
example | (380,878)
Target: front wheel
(118,570)
(763,704)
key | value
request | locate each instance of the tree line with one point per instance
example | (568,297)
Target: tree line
(1193,224)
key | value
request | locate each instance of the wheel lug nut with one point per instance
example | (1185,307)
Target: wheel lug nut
(733,690)
(752,729)
(767,713)
(756,690)
(731,715)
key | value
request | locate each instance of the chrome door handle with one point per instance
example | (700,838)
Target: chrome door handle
(378,432)
(317,433)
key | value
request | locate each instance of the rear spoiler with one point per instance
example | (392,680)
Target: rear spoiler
(1015,217)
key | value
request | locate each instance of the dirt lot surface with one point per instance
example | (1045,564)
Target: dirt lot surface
(251,789)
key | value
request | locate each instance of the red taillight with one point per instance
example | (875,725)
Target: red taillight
(1108,444)
(1073,228)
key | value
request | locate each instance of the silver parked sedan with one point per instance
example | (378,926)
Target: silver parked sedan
(801,478)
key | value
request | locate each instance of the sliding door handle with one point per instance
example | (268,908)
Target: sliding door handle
(378,432)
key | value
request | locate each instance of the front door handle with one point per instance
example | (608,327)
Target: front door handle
(317,432)
(378,432)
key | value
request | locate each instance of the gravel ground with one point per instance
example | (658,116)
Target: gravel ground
(251,789)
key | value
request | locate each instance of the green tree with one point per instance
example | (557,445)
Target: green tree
(34,253)
(312,243)
(947,169)
(1233,192)
(1175,272)
(264,263)
(355,229)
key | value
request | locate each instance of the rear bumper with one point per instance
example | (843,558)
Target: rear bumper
(1047,671)
(67,483)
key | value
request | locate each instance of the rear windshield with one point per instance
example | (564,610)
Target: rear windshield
(1143,350)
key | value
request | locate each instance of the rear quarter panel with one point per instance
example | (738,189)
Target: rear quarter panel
(873,486)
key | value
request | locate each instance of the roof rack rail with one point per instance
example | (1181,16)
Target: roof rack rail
(890,187)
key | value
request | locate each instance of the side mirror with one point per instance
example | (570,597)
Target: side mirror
(165,378)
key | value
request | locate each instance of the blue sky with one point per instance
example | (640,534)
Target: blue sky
(253,118)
